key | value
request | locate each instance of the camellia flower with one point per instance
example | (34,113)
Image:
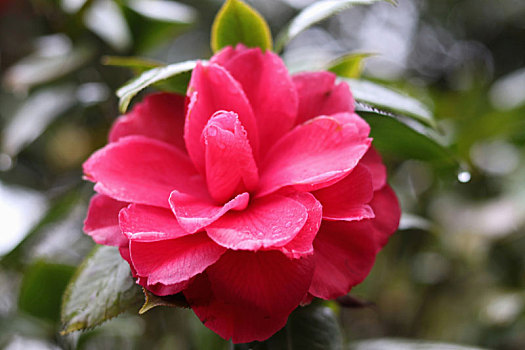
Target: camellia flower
(252,195)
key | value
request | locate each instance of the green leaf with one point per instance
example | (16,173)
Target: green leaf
(235,23)
(42,288)
(402,137)
(178,74)
(316,12)
(349,66)
(152,301)
(101,289)
(313,327)
(390,100)
(136,64)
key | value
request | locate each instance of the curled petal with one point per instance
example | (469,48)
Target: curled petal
(271,221)
(160,116)
(230,165)
(175,260)
(247,296)
(319,151)
(148,224)
(102,221)
(213,89)
(319,95)
(194,213)
(268,86)
(141,170)
(373,162)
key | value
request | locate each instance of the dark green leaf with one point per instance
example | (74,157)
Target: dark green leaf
(313,327)
(390,100)
(178,74)
(403,137)
(101,289)
(42,288)
(152,301)
(235,23)
(349,66)
(316,12)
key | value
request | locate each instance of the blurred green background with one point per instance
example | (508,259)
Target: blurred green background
(455,271)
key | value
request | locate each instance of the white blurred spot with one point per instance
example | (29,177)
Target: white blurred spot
(20,343)
(91,93)
(164,10)
(496,157)
(464,177)
(503,308)
(6,163)
(105,19)
(509,91)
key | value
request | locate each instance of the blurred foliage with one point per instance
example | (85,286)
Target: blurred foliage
(455,272)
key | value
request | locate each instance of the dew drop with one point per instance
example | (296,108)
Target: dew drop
(464,177)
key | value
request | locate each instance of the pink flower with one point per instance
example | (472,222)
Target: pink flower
(262,193)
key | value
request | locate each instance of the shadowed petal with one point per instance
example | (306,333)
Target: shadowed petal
(160,116)
(102,221)
(319,95)
(373,162)
(141,170)
(271,221)
(248,296)
(387,214)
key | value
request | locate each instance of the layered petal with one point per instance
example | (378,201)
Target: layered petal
(319,95)
(213,89)
(102,221)
(319,151)
(344,253)
(387,214)
(348,198)
(148,224)
(163,290)
(271,221)
(301,245)
(373,162)
(159,116)
(141,170)
(175,260)
(230,166)
(268,86)
(248,296)
(196,212)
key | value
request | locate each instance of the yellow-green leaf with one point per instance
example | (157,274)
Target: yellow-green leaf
(235,23)
(349,66)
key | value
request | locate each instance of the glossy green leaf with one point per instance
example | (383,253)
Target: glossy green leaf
(316,12)
(402,137)
(178,74)
(42,288)
(349,66)
(235,23)
(152,301)
(101,289)
(313,327)
(390,100)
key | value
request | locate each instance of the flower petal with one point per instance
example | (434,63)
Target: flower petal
(347,199)
(248,296)
(102,221)
(193,213)
(175,260)
(230,166)
(344,253)
(160,116)
(213,89)
(271,221)
(387,214)
(163,290)
(147,224)
(268,86)
(315,152)
(319,95)
(301,245)
(372,160)
(141,170)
